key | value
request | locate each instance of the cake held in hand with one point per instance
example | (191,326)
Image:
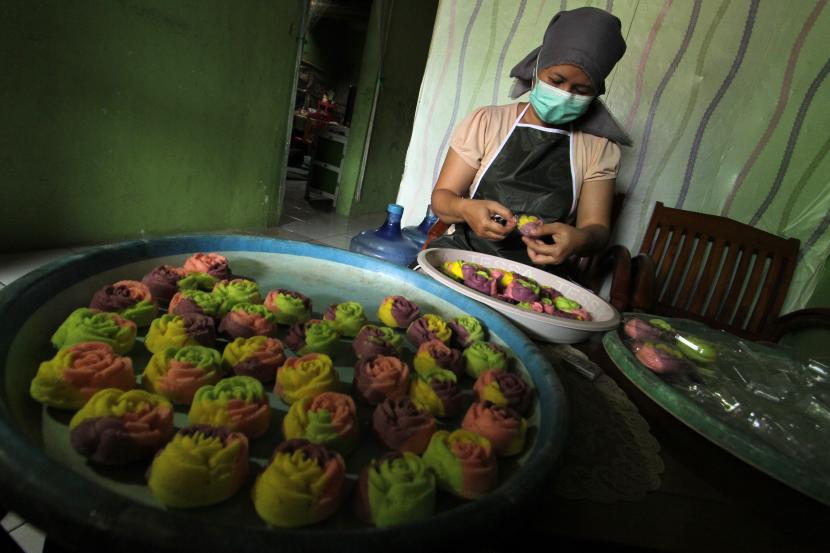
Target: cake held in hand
(429,327)
(395,489)
(76,372)
(401,425)
(117,427)
(129,298)
(503,426)
(529,225)
(176,373)
(377,340)
(231,293)
(504,389)
(288,306)
(348,318)
(397,312)
(163,282)
(213,264)
(258,357)
(381,377)
(306,376)
(301,485)
(91,325)
(237,403)
(483,356)
(465,331)
(438,393)
(249,319)
(198,281)
(312,336)
(194,301)
(463,463)
(200,466)
(435,356)
(176,331)
(329,419)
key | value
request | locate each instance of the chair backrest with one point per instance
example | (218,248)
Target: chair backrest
(719,271)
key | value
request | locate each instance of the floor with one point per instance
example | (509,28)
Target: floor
(305,221)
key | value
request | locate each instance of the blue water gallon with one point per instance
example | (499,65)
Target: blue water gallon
(419,234)
(387,242)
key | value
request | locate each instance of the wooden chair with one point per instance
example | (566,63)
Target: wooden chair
(726,274)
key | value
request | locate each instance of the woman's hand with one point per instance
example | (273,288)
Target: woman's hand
(478,214)
(566,241)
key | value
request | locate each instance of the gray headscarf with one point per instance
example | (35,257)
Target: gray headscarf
(590,39)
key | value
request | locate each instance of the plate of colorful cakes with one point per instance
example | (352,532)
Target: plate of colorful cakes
(546,306)
(180,392)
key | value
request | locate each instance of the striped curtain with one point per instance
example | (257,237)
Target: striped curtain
(726,101)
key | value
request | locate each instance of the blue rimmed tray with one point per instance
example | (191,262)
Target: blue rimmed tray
(48,483)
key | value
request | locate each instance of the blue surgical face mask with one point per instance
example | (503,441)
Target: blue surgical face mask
(554,106)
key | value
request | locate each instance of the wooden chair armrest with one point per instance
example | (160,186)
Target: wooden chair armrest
(642,290)
(799,320)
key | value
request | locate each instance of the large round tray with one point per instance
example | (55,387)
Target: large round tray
(741,444)
(538,325)
(44,480)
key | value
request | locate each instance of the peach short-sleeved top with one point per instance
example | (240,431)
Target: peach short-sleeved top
(478,137)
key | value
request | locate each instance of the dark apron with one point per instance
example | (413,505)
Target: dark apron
(531,173)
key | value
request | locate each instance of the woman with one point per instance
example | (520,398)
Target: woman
(556,157)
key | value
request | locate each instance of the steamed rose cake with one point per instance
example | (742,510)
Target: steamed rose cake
(230,293)
(483,356)
(438,393)
(377,340)
(529,225)
(76,372)
(465,331)
(200,466)
(397,312)
(348,318)
(194,301)
(117,427)
(328,419)
(176,373)
(288,306)
(306,376)
(249,319)
(176,331)
(504,389)
(503,426)
(401,425)
(312,336)
(237,403)
(381,377)
(429,327)
(197,281)
(212,263)
(395,489)
(435,356)
(129,298)
(91,325)
(463,463)
(163,282)
(479,278)
(521,290)
(453,269)
(301,485)
(258,357)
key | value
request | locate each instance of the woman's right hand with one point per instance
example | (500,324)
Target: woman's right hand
(478,214)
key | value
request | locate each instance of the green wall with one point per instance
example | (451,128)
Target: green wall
(404,53)
(137,118)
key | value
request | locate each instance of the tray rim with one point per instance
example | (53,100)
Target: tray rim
(51,495)
(754,453)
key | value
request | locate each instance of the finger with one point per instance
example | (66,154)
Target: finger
(496,207)
(549,229)
(540,247)
(495,228)
(489,235)
(540,259)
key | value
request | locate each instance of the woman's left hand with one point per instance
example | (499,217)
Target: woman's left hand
(566,241)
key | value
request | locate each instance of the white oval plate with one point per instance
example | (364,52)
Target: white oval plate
(539,326)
